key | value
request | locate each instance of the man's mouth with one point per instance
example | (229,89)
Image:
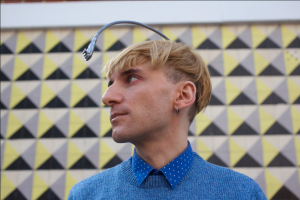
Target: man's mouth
(114,116)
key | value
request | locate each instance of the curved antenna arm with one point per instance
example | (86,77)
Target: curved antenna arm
(89,51)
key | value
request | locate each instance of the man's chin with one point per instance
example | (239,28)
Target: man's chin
(120,136)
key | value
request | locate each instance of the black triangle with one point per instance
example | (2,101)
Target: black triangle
(284,193)
(247,161)
(113,162)
(28,75)
(51,163)
(87,74)
(207,44)
(53,132)
(270,71)
(216,160)
(296,71)
(48,195)
(31,48)
(280,161)
(86,45)
(295,43)
(5,49)
(1,137)
(242,99)
(16,194)
(190,133)
(297,101)
(108,133)
(21,133)
(25,104)
(56,103)
(60,47)
(83,163)
(268,44)
(244,129)
(237,44)
(2,106)
(212,129)
(212,71)
(277,129)
(273,99)
(3,77)
(84,131)
(240,71)
(85,102)
(18,164)
(117,46)
(215,101)
(57,74)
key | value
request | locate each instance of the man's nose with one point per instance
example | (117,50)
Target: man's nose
(112,96)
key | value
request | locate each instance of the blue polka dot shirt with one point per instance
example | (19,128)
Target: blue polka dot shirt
(174,171)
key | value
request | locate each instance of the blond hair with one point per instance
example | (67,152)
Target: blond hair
(180,61)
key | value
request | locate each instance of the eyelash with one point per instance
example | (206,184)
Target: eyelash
(131,77)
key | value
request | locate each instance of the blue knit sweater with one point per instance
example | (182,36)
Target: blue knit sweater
(203,181)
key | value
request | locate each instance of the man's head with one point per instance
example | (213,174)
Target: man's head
(148,80)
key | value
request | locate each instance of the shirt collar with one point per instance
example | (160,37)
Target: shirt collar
(174,171)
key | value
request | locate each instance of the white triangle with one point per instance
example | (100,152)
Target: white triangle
(91,112)
(57,143)
(3,113)
(295,79)
(204,55)
(218,141)
(272,82)
(283,140)
(248,110)
(296,107)
(6,35)
(243,53)
(23,175)
(5,59)
(77,174)
(4,85)
(119,31)
(47,143)
(29,114)
(274,53)
(59,58)
(80,112)
(270,28)
(84,144)
(89,173)
(27,86)
(19,114)
(45,175)
(241,28)
(254,172)
(55,175)
(61,34)
(210,29)
(32,34)
(250,141)
(216,111)
(272,140)
(280,109)
(282,174)
(241,141)
(91,84)
(116,147)
(12,176)
(294,52)
(177,30)
(29,60)
(215,81)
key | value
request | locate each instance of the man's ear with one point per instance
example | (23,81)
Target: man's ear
(185,94)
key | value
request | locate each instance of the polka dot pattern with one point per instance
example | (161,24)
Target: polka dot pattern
(174,171)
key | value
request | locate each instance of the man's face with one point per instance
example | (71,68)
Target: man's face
(141,102)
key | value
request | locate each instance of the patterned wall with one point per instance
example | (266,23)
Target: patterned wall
(55,130)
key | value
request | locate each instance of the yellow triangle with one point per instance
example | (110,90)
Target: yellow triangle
(75,123)
(236,152)
(262,90)
(10,155)
(294,90)
(297,147)
(44,124)
(231,91)
(46,95)
(22,42)
(105,125)
(229,63)
(169,34)
(138,36)
(260,63)
(106,154)
(39,186)
(202,122)
(16,95)
(78,66)
(19,68)
(79,40)
(109,39)
(51,41)
(272,184)
(74,154)
(290,62)
(287,36)
(49,67)
(257,36)
(13,125)
(76,94)
(234,121)
(266,121)
(70,182)
(295,120)
(227,37)
(269,152)
(41,156)
(203,150)
(7,186)
(198,37)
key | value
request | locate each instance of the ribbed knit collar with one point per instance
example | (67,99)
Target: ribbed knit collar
(174,171)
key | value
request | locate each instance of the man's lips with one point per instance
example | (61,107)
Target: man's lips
(115,115)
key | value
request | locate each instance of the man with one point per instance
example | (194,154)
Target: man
(155,90)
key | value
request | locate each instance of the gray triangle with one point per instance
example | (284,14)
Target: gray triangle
(26,187)
(99,42)
(248,63)
(3,127)
(293,184)
(260,180)
(219,92)
(40,42)
(94,124)
(223,153)
(282,91)
(5,96)
(216,37)
(11,43)
(289,151)
(93,154)
(253,121)
(96,66)
(125,152)
(221,122)
(217,63)
(127,38)
(67,67)
(59,186)
(61,155)
(8,68)
(37,68)
(65,95)
(250,91)
(32,124)
(245,36)
(276,37)
(285,120)
(256,152)
(186,37)
(95,95)
(29,155)
(279,63)
(193,143)
(35,95)
(155,36)
(69,41)
(63,124)
(192,127)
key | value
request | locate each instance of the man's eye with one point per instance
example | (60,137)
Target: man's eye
(131,79)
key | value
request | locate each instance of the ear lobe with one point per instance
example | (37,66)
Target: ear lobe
(186,95)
